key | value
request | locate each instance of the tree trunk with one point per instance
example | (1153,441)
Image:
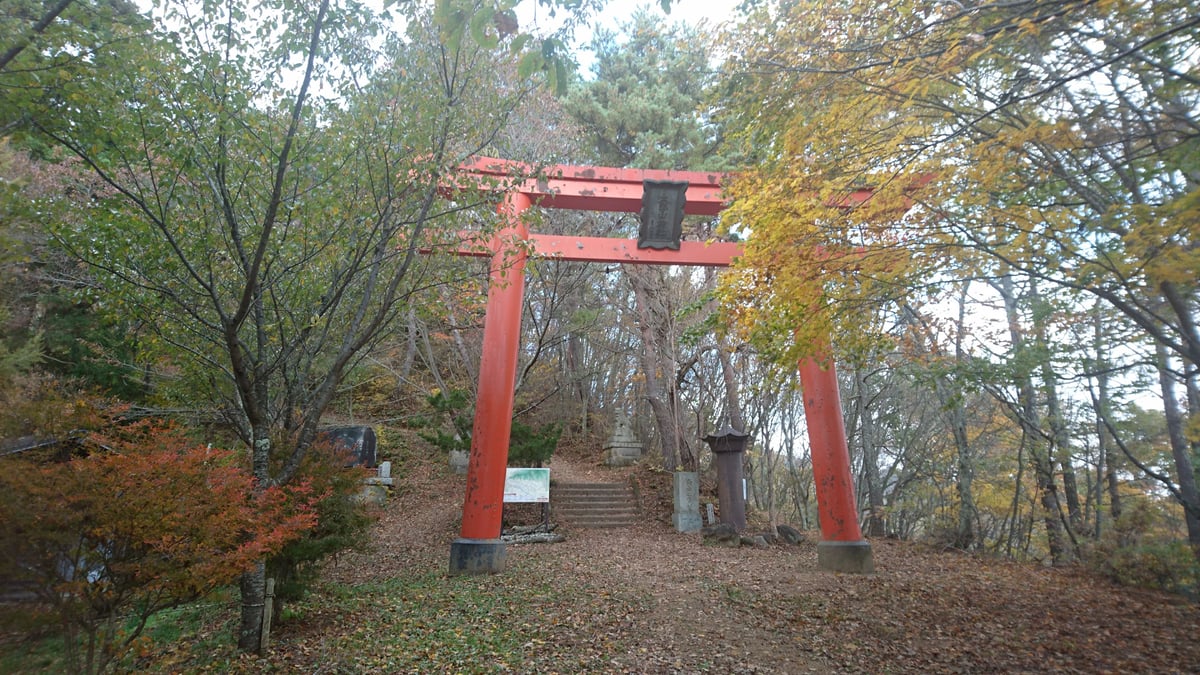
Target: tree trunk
(772,509)
(736,419)
(870,458)
(1180,449)
(1192,380)
(470,360)
(800,482)
(669,439)
(1059,432)
(1029,420)
(1106,449)
(658,367)
(410,344)
(966,535)
(253,585)
(577,389)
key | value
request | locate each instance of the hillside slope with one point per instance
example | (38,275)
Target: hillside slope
(649,600)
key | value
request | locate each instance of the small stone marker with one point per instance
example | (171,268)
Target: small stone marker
(459,460)
(711,512)
(687,502)
(375,488)
(268,608)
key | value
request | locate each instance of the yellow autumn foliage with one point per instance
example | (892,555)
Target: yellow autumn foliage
(980,145)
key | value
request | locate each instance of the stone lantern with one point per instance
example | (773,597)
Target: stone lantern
(623,448)
(729,448)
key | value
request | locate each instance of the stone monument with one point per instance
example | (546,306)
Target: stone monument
(357,441)
(687,502)
(622,449)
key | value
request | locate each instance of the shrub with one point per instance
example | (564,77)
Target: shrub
(529,447)
(102,543)
(1131,555)
(452,405)
(343,523)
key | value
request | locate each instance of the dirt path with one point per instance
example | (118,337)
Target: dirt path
(649,600)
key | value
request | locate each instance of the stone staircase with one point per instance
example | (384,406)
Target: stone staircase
(594,504)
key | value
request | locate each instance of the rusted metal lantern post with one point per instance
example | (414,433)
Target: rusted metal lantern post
(729,447)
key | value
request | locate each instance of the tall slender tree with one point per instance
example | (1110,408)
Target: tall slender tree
(1055,140)
(272,175)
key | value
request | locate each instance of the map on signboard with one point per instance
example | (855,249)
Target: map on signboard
(524,485)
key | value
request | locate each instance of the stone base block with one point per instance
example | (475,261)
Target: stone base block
(686,522)
(851,557)
(621,460)
(374,495)
(477,556)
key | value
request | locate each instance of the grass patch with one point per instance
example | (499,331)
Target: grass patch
(424,622)
(41,655)
(164,633)
(430,622)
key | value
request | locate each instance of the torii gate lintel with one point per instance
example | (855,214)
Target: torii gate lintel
(479,548)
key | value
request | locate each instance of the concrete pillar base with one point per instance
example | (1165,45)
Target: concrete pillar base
(851,557)
(687,522)
(477,556)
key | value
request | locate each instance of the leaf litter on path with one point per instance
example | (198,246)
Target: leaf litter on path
(648,600)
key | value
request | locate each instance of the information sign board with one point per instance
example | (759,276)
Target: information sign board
(526,485)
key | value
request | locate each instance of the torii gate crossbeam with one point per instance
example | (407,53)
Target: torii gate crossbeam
(479,548)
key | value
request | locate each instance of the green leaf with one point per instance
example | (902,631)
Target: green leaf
(481,22)
(451,20)
(560,79)
(530,63)
(518,43)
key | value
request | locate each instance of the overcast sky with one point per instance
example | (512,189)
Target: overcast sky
(619,11)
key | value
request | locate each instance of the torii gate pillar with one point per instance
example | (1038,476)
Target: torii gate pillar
(479,548)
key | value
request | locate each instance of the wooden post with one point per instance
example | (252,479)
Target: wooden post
(268,611)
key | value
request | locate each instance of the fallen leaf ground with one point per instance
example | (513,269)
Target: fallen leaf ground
(648,600)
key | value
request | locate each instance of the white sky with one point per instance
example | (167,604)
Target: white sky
(619,11)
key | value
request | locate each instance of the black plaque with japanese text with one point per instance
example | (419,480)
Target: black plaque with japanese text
(662,214)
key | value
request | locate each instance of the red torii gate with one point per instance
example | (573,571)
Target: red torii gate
(479,548)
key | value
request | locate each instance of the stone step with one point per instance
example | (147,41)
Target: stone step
(618,488)
(574,494)
(594,505)
(592,494)
(601,523)
(566,507)
(618,509)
